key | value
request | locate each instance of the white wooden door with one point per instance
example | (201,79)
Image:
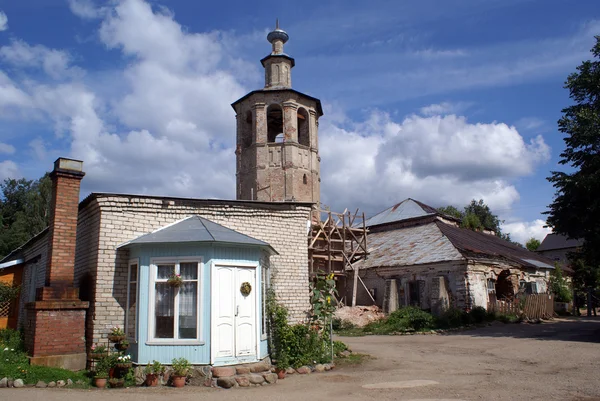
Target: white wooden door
(224,305)
(234,315)
(245,320)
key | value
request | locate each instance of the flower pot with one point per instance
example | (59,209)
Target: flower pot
(115,339)
(151,380)
(121,347)
(98,355)
(178,381)
(100,382)
(123,365)
(281,374)
(116,383)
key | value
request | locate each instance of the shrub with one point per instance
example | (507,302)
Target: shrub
(452,317)
(411,317)
(478,314)
(339,347)
(11,339)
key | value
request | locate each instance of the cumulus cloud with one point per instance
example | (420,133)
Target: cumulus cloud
(55,63)
(439,160)
(3,21)
(9,169)
(6,148)
(85,9)
(444,108)
(166,126)
(522,231)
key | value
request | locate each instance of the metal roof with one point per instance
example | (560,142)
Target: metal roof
(409,246)
(557,241)
(476,244)
(197,229)
(437,242)
(407,209)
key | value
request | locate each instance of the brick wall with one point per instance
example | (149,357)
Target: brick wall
(63,228)
(54,332)
(117,219)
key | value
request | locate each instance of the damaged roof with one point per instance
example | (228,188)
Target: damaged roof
(437,242)
(407,209)
(197,229)
(409,246)
(479,245)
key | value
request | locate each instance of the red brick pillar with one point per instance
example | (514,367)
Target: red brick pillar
(55,327)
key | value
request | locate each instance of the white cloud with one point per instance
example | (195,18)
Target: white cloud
(3,21)
(10,94)
(55,63)
(531,123)
(9,169)
(522,231)
(444,108)
(439,160)
(85,9)
(6,148)
(168,129)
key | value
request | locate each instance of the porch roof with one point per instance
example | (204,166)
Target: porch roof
(197,229)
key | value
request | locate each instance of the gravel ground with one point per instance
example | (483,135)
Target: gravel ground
(559,360)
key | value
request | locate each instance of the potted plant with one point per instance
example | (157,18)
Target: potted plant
(175,280)
(116,382)
(123,362)
(101,374)
(98,351)
(116,334)
(181,367)
(122,345)
(282,365)
(153,371)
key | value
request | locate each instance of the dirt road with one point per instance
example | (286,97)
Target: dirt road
(549,361)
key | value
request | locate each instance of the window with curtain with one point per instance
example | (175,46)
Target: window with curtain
(131,307)
(176,307)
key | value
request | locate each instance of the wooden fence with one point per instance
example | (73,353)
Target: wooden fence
(530,307)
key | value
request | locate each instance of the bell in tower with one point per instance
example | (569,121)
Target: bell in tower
(277,143)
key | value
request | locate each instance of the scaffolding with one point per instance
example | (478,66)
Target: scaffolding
(336,242)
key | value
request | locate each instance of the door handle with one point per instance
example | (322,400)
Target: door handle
(237,310)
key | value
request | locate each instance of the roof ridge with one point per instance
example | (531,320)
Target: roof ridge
(204,225)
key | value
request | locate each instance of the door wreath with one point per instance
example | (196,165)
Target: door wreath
(245,288)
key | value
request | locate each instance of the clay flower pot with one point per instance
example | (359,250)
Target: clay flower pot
(100,382)
(281,374)
(152,380)
(115,339)
(178,381)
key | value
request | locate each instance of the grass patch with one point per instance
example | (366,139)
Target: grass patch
(411,319)
(15,364)
(353,359)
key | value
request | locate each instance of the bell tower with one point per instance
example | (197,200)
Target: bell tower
(277,153)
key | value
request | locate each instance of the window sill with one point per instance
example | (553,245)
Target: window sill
(175,342)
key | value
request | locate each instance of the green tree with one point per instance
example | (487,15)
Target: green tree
(451,211)
(575,211)
(559,286)
(476,216)
(532,244)
(24,210)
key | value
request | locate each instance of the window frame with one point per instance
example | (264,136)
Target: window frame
(131,262)
(152,279)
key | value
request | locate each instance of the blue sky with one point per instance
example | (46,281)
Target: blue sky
(441,101)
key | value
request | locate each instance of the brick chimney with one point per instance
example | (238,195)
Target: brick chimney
(55,331)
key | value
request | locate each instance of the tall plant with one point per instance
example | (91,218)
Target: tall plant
(323,294)
(8,292)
